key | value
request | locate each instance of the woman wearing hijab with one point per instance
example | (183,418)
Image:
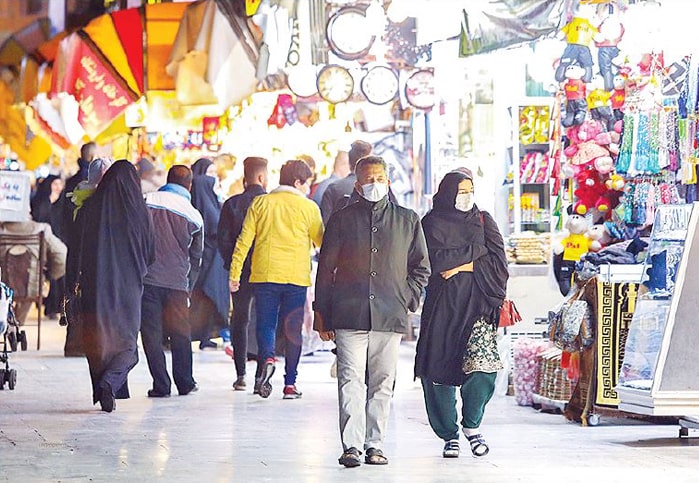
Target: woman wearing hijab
(46,207)
(211,295)
(109,254)
(457,344)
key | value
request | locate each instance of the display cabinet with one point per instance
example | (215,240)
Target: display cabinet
(660,370)
(531,166)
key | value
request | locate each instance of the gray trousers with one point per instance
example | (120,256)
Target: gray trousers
(366,372)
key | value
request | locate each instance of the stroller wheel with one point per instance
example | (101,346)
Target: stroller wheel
(23,340)
(2,379)
(12,339)
(11,379)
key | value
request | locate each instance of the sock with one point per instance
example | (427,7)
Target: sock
(471,431)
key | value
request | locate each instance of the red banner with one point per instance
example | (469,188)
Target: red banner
(100,95)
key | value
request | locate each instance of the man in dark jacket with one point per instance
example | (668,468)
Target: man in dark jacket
(169,282)
(337,193)
(229,227)
(372,268)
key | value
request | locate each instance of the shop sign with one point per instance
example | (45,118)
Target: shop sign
(100,95)
(210,126)
(15,192)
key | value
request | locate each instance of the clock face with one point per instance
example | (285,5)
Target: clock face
(380,85)
(349,34)
(302,80)
(335,84)
(419,89)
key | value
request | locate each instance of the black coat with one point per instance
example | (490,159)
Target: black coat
(373,266)
(231,224)
(452,306)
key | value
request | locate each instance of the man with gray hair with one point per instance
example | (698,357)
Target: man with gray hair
(372,268)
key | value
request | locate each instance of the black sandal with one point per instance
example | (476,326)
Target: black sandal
(350,458)
(374,456)
(451,449)
(478,445)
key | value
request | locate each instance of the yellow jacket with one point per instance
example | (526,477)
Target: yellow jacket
(283,225)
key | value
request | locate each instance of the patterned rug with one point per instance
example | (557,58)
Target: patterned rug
(616,303)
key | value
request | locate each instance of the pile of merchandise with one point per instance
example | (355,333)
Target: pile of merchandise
(529,248)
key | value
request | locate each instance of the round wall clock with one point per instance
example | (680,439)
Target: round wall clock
(349,34)
(302,80)
(380,85)
(335,84)
(419,89)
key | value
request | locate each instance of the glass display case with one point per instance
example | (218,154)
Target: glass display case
(660,370)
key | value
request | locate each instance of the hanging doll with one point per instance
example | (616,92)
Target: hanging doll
(607,40)
(618,97)
(575,90)
(598,102)
(578,33)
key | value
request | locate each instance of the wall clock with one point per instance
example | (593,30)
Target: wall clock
(349,33)
(419,89)
(380,85)
(302,80)
(335,84)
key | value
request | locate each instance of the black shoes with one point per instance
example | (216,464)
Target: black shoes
(350,458)
(267,372)
(194,388)
(154,393)
(207,344)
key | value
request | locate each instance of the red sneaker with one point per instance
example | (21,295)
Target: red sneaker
(290,392)
(229,351)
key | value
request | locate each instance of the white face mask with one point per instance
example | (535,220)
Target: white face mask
(374,191)
(464,201)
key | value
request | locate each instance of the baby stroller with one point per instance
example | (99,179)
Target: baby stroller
(7,321)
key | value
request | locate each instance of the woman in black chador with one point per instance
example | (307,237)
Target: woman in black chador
(457,344)
(211,294)
(47,207)
(111,252)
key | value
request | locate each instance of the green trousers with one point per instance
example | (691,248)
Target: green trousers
(440,402)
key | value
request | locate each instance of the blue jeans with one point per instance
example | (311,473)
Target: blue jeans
(284,303)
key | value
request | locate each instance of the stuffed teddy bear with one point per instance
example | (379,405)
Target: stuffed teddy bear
(598,237)
(575,93)
(570,249)
(578,33)
(618,98)
(590,192)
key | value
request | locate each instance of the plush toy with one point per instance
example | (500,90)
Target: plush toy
(615,182)
(578,33)
(610,33)
(574,88)
(598,237)
(598,102)
(590,192)
(570,249)
(618,97)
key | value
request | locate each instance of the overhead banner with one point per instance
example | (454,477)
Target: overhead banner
(488,25)
(101,95)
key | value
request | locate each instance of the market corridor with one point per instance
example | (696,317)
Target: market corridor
(50,432)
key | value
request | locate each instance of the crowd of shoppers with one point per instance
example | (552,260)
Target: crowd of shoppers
(167,260)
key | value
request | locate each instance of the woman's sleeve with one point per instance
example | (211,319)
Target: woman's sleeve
(491,269)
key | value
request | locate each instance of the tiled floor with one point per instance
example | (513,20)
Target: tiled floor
(50,432)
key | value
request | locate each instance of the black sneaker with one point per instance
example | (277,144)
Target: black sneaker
(267,373)
(194,388)
(350,458)
(154,393)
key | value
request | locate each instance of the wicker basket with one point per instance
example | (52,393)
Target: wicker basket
(553,383)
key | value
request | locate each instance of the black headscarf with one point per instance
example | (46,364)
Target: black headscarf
(452,306)
(199,168)
(113,252)
(41,202)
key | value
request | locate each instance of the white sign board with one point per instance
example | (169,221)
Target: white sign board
(15,192)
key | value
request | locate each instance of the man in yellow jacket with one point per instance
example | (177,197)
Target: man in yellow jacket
(284,225)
